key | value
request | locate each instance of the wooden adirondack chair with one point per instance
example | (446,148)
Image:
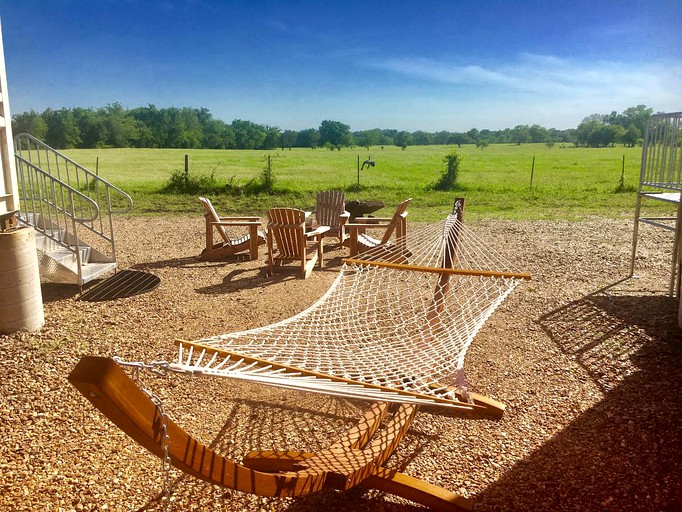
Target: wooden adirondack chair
(228,246)
(330,210)
(288,240)
(360,241)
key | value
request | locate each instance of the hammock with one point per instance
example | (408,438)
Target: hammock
(394,326)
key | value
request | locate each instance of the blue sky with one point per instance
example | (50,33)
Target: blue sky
(408,65)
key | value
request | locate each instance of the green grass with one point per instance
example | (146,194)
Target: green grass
(568,183)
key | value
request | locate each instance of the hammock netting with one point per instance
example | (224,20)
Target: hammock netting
(394,326)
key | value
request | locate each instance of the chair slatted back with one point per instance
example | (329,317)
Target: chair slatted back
(287,226)
(398,221)
(330,205)
(212,216)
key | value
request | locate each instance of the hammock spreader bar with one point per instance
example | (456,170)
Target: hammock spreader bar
(437,270)
(481,404)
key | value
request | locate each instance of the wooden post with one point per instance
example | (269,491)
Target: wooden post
(186,172)
(443,286)
(532,171)
(358,172)
(622,174)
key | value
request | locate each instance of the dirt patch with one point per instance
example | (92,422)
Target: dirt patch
(589,367)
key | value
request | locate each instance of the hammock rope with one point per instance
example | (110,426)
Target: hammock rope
(394,326)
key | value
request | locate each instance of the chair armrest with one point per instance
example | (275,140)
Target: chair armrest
(318,231)
(237,223)
(356,225)
(226,219)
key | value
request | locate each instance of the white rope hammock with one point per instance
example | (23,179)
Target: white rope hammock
(394,326)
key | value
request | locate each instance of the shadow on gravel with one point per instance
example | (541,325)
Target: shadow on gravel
(624,453)
(250,422)
(187,262)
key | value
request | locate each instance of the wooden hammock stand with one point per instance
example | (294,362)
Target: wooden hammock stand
(357,458)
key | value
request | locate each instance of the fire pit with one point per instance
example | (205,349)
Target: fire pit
(359,208)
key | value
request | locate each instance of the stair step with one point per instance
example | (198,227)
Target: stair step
(94,270)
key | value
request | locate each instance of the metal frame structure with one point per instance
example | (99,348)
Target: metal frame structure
(9,192)
(661,180)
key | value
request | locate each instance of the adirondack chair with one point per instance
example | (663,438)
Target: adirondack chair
(330,210)
(288,240)
(360,241)
(228,246)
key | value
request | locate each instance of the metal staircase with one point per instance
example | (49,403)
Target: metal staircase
(71,208)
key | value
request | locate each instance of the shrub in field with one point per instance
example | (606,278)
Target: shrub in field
(182,182)
(448,179)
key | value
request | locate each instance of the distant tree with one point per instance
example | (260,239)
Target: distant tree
(538,133)
(520,134)
(638,116)
(441,137)
(272,137)
(585,128)
(62,129)
(420,138)
(118,128)
(248,135)
(287,139)
(630,136)
(335,133)
(473,134)
(309,138)
(459,139)
(486,135)
(31,123)
(402,139)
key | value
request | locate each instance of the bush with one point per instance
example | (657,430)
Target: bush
(182,182)
(448,180)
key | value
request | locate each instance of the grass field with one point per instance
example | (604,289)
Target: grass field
(568,182)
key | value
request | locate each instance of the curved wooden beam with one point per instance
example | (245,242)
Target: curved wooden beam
(104,383)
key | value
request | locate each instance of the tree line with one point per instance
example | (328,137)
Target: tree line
(195,128)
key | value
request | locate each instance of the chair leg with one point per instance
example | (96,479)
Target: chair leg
(270,260)
(253,242)
(320,251)
(209,234)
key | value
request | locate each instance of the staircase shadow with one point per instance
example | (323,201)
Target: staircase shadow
(54,292)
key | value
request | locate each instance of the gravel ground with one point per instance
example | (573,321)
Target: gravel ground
(588,364)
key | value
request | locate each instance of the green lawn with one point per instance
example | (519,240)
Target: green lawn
(569,183)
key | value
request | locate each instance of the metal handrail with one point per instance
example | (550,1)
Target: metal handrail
(26,139)
(101,193)
(57,204)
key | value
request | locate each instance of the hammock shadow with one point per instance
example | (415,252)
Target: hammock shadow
(629,345)
(275,424)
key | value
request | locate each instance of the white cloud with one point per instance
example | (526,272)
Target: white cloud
(551,78)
